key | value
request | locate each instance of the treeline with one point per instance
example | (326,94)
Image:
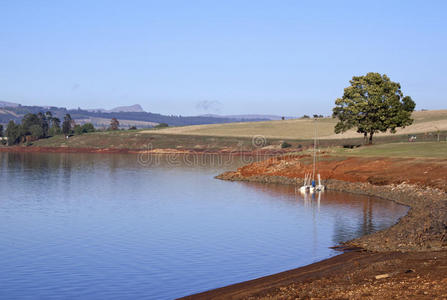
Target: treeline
(16,113)
(42,125)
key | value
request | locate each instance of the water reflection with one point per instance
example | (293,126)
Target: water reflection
(104,226)
(356,215)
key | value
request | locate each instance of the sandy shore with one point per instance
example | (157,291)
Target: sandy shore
(407,260)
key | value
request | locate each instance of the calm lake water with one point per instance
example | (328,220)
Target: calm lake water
(91,226)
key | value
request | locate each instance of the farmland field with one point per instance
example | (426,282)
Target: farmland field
(424,122)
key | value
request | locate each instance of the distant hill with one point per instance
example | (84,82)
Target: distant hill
(127,115)
(131,108)
(8,104)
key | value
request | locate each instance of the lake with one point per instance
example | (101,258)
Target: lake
(97,226)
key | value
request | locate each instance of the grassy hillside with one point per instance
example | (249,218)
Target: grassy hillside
(425,121)
(424,149)
(144,140)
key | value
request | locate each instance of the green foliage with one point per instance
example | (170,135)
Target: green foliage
(36,131)
(55,122)
(161,125)
(66,125)
(54,130)
(77,130)
(133,128)
(28,121)
(114,124)
(87,127)
(373,103)
(43,123)
(13,133)
(285,145)
(1,130)
(33,126)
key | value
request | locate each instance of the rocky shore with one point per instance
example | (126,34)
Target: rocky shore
(406,261)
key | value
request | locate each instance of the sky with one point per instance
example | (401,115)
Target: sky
(226,57)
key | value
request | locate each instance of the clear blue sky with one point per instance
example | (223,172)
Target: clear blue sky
(230,57)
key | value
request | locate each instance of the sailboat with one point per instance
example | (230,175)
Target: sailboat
(309,184)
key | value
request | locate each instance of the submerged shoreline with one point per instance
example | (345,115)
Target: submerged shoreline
(406,260)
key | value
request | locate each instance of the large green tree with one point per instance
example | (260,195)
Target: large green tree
(13,133)
(373,103)
(28,121)
(55,127)
(66,125)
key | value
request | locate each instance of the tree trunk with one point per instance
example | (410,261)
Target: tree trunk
(371,137)
(365,138)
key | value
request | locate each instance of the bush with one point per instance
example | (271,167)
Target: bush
(54,131)
(77,129)
(87,127)
(161,125)
(285,145)
(133,128)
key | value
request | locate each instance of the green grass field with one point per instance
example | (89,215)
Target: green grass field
(143,140)
(420,149)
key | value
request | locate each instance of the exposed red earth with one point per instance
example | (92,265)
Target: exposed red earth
(406,261)
(373,170)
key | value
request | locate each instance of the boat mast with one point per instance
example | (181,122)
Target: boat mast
(315,150)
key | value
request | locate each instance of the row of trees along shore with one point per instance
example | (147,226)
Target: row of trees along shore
(42,125)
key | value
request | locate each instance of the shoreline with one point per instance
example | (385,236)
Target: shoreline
(397,256)
(402,252)
(406,234)
(194,151)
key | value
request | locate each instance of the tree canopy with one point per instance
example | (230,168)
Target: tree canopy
(13,133)
(373,103)
(114,124)
(66,125)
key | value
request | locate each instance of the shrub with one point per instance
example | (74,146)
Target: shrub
(77,129)
(285,145)
(87,127)
(161,125)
